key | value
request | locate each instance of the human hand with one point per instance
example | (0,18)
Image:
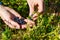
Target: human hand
(32,3)
(7,14)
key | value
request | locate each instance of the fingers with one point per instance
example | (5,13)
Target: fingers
(6,16)
(31,23)
(40,6)
(31,10)
(23,26)
(35,16)
(15,24)
(31,6)
(12,24)
(13,12)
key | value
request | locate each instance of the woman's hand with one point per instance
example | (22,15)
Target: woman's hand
(33,3)
(7,14)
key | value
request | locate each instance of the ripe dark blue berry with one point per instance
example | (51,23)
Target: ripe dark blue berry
(19,21)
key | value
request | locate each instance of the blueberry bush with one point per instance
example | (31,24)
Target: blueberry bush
(47,25)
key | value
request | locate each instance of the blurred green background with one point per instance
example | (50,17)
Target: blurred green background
(47,25)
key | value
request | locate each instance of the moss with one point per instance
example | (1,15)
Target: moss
(47,25)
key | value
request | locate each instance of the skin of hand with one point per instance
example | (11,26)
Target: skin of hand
(6,15)
(33,3)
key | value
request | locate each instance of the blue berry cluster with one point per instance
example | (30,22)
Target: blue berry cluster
(19,21)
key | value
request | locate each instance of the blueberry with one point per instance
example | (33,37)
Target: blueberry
(19,21)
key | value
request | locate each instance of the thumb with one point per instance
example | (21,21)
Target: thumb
(31,10)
